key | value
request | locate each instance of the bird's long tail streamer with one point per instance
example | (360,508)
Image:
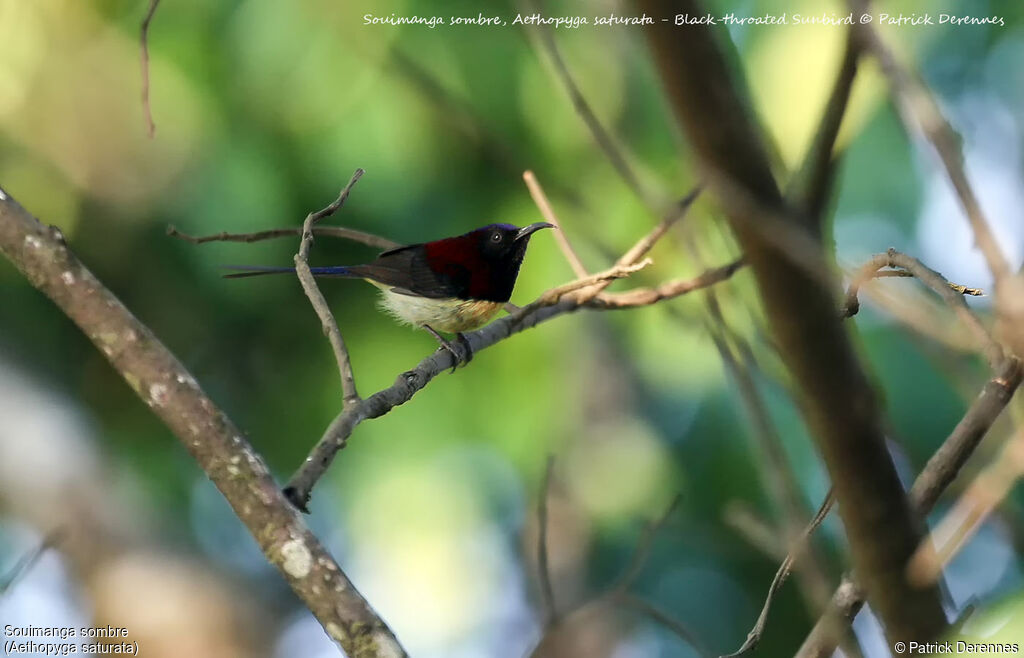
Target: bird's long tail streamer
(260,270)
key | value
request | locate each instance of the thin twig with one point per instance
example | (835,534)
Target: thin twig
(945,464)
(643,549)
(25,564)
(869,270)
(463,117)
(647,242)
(666,620)
(330,326)
(601,136)
(919,109)
(664,291)
(810,187)
(611,274)
(554,295)
(755,530)
(541,199)
(543,569)
(331,209)
(618,592)
(754,636)
(325,231)
(655,202)
(927,320)
(144,57)
(956,528)
(951,293)
(963,290)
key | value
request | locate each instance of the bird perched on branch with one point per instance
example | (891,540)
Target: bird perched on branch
(452,285)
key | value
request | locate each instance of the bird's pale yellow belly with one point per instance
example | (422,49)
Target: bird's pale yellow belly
(448,315)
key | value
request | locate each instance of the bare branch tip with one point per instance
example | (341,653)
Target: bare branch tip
(540,199)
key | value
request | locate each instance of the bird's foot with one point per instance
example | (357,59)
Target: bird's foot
(467,349)
(456,355)
(461,355)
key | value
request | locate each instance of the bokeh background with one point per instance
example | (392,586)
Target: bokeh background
(263,110)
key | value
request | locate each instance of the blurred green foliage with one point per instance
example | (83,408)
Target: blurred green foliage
(264,108)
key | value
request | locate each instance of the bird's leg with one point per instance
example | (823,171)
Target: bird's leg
(458,357)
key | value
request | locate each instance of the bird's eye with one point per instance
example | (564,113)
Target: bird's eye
(496,237)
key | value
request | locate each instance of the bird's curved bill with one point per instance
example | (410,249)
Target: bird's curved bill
(528,230)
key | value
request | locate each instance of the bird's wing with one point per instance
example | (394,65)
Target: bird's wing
(397,249)
(404,291)
(406,270)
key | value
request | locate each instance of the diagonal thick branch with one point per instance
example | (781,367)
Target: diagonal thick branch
(212,439)
(554,303)
(837,399)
